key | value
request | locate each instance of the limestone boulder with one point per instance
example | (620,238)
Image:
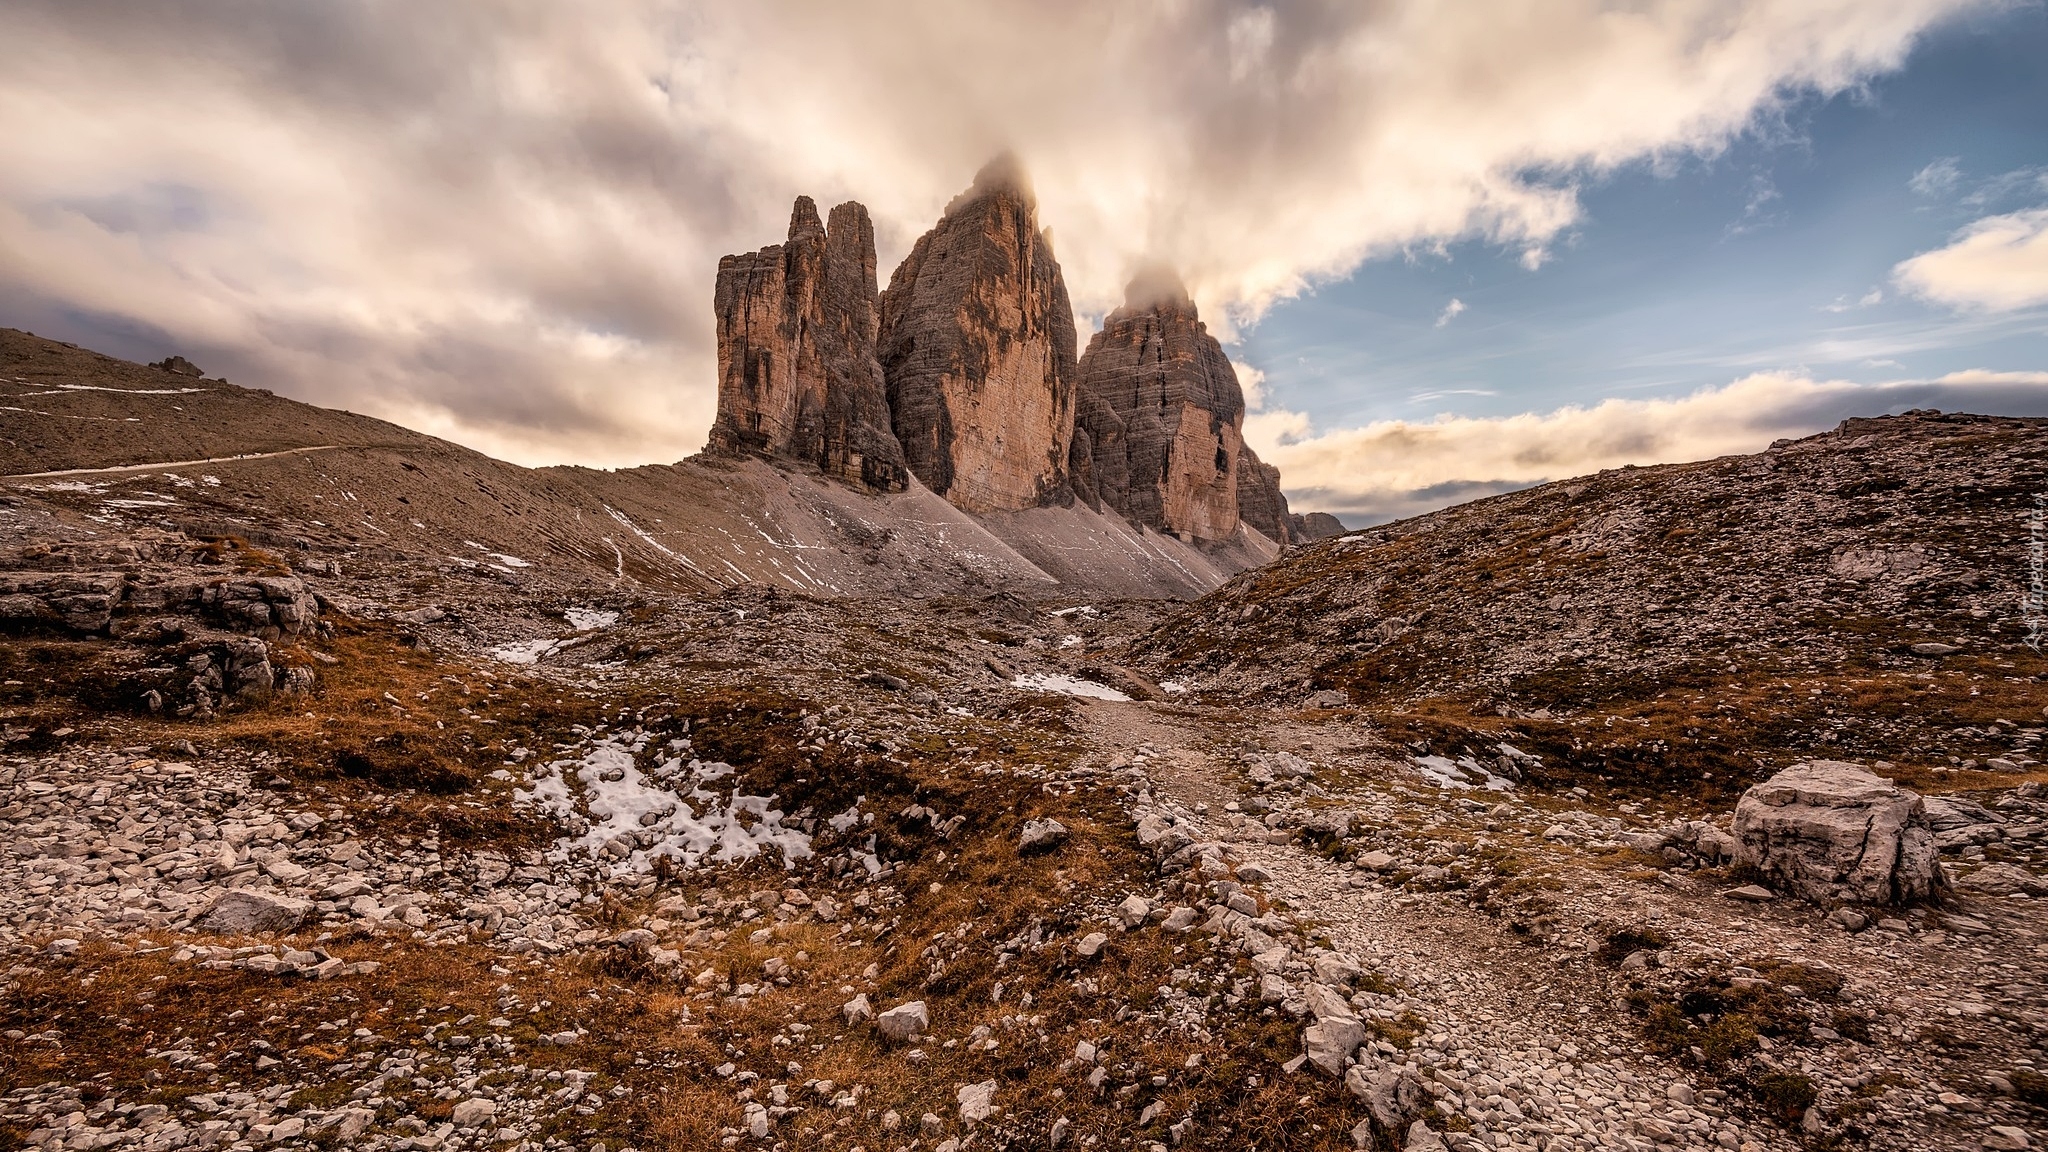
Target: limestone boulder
(1330,1041)
(905,1021)
(254,911)
(978,349)
(1833,832)
(1395,1095)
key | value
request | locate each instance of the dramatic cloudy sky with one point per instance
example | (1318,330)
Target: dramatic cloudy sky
(1454,247)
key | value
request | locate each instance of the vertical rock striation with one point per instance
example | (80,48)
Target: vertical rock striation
(977,344)
(797,373)
(963,373)
(1159,430)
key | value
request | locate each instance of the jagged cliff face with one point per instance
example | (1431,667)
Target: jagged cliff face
(1259,500)
(1158,438)
(1264,506)
(977,345)
(963,373)
(798,376)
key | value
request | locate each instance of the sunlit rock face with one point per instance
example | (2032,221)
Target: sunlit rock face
(977,345)
(1159,438)
(797,373)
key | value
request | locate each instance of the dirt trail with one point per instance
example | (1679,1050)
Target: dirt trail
(1514,1019)
(125,469)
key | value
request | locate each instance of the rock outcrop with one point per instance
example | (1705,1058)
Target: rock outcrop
(977,344)
(1833,832)
(1262,505)
(1158,437)
(964,374)
(797,372)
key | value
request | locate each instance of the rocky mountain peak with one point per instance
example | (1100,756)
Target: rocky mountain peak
(1159,437)
(964,374)
(798,377)
(977,342)
(1003,175)
(804,221)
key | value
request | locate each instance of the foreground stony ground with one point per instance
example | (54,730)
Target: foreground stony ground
(1532,941)
(498,960)
(300,851)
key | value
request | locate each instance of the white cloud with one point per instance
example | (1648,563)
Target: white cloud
(1252,381)
(1998,264)
(2017,183)
(501,221)
(1843,304)
(1937,179)
(1397,468)
(1450,312)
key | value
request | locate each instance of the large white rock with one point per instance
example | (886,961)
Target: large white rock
(1423,1138)
(977,1101)
(905,1021)
(1328,1042)
(253,911)
(1833,832)
(1394,1095)
(1328,1003)
(1041,835)
(474,1112)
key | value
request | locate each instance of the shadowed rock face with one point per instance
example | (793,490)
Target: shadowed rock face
(1264,507)
(1260,501)
(798,377)
(1158,435)
(977,344)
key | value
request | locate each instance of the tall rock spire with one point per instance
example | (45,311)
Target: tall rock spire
(1159,435)
(977,344)
(797,373)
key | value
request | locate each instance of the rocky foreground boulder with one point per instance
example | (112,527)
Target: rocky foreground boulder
(1834,832)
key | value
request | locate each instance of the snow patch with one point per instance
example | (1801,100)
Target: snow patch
(1464,772)
(590,619)
(848,818)
(527,652)
(1067,685)
(629,817)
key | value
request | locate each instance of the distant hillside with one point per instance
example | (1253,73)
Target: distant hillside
(177,450)
(1665,623)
